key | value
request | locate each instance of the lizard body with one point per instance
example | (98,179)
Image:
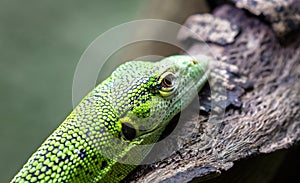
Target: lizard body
(100,140)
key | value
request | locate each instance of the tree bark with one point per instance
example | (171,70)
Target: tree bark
(269,117)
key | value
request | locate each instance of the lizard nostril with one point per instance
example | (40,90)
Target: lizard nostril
(195,62)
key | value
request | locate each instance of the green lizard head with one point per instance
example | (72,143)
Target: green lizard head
(146,95)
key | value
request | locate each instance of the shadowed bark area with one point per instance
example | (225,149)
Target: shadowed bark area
(269,116)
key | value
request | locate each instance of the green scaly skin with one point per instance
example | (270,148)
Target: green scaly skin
(100,140)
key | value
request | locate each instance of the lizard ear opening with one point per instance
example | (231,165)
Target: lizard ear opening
(128,131)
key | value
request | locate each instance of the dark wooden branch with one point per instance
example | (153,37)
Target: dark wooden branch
(268,119)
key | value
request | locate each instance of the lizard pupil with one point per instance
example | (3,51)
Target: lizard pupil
(128,131)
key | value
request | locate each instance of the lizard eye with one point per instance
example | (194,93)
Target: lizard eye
(168,80)
(167,84)
(128,131)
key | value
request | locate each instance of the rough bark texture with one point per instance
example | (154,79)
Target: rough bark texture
(283,15)
(268,119)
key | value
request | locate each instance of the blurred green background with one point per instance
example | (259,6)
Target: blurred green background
(41,43)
